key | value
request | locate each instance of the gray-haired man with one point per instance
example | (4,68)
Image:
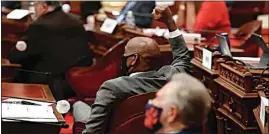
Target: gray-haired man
(180,107)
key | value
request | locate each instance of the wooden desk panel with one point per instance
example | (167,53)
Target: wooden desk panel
(256,112)
(9,71)
(27,91)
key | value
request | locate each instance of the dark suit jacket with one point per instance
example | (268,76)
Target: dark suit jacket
(55,42)
(11,4)
(142,11)
(89,8)
(123,87)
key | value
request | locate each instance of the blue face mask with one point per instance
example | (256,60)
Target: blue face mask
(153,115)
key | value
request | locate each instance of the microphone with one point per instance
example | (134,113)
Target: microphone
(21,46)
(63,106)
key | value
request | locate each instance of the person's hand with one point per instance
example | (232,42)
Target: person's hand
(5,61)
(163,14)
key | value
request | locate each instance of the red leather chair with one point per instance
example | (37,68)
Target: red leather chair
(85,81)
(127,117)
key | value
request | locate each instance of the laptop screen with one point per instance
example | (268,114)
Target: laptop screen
(224,47)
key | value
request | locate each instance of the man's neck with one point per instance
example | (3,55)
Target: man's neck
(174,127)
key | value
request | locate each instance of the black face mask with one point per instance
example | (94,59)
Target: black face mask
(124,68)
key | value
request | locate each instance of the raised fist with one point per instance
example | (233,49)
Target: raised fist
(162,13)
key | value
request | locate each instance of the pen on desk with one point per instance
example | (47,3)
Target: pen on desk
(21,102)
(29,103)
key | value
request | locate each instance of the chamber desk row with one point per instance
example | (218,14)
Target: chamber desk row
(233,91)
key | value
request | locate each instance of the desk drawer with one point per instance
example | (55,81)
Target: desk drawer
(207,78)
(228,125)
(237,104)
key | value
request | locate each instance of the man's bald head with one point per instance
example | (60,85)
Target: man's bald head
(144,46)
(148,51)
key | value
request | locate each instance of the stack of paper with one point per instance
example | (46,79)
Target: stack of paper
(36,113)
(188,37)
(17,14)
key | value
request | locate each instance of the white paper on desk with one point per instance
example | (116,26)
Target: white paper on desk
(162,3)
(255,59)
(109,25)
(17,14)
(158,32)
(207,58)
(26,112)
(42,103)
(188,37)
(264,102)
(33,120)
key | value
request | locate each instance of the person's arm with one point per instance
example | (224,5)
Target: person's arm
(32,39)
(181,58)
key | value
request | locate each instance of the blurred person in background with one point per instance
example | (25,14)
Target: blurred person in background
(53,43)
(141,10)
(200,16)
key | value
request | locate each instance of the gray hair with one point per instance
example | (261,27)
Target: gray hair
(191,98)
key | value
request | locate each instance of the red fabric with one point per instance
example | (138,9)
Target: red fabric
(125,118)
(70,121)
(85,81)
(133,126)
(213,16)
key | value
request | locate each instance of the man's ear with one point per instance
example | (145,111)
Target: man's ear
(173,113)
(135,59)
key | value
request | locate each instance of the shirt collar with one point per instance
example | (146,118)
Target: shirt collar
(174,132)
(136,73)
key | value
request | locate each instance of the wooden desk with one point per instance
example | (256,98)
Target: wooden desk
(263,130)
(165,48)
(233,94)
(256,112)
(9,71)
(34,92)
(98,37)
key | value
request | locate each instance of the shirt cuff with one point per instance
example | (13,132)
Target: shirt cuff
(174,34)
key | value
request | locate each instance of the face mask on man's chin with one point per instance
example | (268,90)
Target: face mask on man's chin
(124,67)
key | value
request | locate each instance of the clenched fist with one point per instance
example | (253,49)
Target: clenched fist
(163,14)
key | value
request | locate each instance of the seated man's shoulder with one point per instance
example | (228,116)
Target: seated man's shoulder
(117,81)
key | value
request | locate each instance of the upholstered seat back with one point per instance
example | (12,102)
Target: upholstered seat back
(127,116)
(85,81)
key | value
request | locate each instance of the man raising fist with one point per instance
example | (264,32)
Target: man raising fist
(142,74)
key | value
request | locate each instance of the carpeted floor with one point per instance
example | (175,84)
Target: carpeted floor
(70,121)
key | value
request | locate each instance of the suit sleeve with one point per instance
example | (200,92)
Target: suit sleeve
(33,40)
(181,57)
